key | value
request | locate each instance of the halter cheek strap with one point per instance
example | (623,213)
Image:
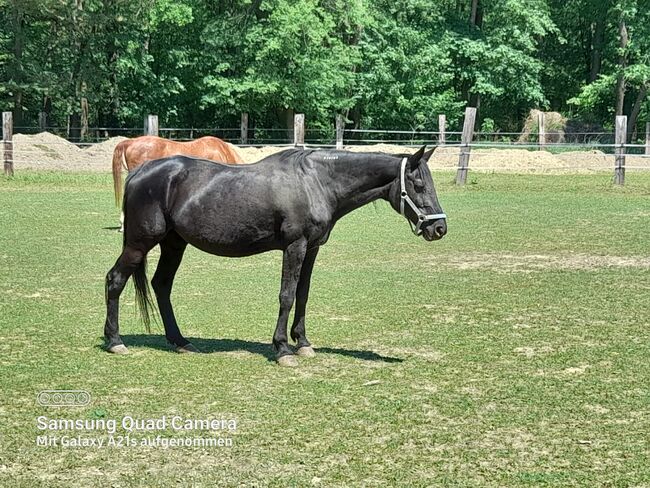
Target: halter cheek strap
(404,198)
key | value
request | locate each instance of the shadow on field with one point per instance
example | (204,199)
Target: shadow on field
(263,349)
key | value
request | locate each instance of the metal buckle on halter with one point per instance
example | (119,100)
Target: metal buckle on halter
(404,197)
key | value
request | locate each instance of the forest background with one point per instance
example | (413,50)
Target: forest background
(383,64)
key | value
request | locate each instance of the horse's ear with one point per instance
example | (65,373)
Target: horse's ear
(427,155)
(414,160)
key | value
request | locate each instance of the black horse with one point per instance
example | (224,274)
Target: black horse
(288,201)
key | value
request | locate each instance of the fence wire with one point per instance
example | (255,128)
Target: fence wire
(585,151)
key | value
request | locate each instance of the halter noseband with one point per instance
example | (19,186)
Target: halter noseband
(404,197)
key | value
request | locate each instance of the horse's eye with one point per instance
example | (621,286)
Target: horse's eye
(418,184)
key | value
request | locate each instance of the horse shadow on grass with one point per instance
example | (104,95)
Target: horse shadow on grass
(208,346)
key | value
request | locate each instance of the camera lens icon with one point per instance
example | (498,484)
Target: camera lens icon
(63,398)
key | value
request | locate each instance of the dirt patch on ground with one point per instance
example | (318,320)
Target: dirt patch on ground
(49,152)
(530,263)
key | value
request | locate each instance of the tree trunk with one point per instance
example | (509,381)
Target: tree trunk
(476,14)
(620,84)
(597,43)
(18,21)
(636,109)
(472,14)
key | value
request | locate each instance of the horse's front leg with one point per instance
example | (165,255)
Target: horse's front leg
(292,261)
(298,333)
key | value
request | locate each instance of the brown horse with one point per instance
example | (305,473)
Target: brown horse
(134,152)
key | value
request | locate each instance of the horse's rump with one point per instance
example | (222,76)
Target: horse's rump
(135,152)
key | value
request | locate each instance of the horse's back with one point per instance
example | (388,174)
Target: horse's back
(216,149)
(150,148)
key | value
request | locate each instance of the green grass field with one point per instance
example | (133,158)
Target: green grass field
(514,352)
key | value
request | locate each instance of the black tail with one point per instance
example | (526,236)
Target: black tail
(142,291)
(143,294)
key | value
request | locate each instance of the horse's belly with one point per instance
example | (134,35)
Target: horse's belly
(229,249)
(223,239)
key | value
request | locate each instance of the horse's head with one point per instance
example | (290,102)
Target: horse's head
(414,196)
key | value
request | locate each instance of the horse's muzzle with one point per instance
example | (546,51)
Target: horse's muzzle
(435,230)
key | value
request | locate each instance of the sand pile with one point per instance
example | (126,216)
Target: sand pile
(253,154)
(524,161)
(49,152)
(32,151)
(103,150)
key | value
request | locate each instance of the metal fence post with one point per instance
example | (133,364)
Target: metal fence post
(340,129)
(42,120)
(541,130)
(621,135)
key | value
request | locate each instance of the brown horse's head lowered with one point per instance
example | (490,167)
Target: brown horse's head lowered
(134,152)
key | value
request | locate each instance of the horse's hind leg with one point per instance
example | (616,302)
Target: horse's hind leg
(116,279)
(298,333)
(171,254)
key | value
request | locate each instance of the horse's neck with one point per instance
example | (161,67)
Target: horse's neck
(357,181)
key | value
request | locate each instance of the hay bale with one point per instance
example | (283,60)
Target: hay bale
(554,125)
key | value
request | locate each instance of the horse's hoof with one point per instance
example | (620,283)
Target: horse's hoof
(306,352)
(118,349)
(188,348)
(288,361)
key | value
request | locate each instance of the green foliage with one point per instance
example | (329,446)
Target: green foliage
(488,125)
(383,64)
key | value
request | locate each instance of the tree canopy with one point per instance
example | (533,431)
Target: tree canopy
(386,64)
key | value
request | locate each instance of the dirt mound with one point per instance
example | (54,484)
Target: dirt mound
(48,151)
(107,146)
(524,161)
(254,154)
(384,148)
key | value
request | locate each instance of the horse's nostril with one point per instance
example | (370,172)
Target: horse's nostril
(439,230)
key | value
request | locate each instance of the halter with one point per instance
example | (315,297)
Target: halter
(404,197)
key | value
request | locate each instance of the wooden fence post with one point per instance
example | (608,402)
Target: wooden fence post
(7,137)
(151,125)
(621,136)
(541,130)
(340,129)
(442,127)
(647,138)
(465,141)
(298,129)
(243,128)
